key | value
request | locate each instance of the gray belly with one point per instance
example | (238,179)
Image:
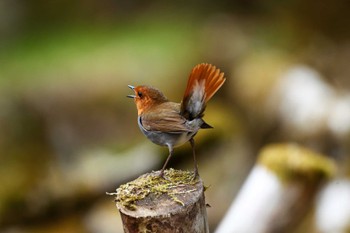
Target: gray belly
(166,139)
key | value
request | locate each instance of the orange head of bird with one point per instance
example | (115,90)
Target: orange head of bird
(146,97)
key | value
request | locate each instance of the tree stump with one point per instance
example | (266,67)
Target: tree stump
(279,192)
(175,203)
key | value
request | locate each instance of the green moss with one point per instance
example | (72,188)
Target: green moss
(291,162)
(128,194)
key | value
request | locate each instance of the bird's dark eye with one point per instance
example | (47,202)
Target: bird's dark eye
(139,94)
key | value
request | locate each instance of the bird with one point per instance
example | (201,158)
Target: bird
(172,124)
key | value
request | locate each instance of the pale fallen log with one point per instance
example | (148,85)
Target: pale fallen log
(279,190)
(333,207)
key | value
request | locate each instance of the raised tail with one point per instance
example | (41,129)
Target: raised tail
(204,81)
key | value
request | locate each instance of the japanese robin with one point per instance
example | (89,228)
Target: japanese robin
(172,124)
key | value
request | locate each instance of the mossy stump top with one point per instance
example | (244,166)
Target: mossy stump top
(292,162)
(173,203)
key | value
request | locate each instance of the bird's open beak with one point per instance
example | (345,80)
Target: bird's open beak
(132,88)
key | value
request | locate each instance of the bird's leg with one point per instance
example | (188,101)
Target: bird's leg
(196,174)
(167,160)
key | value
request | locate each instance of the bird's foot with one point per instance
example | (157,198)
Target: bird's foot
(195,175)
(162,175)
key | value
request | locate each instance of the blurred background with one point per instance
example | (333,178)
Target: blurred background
(68,135)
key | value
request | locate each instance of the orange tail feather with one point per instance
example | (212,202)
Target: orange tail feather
(204,81)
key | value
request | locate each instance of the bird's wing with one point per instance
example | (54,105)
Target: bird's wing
(165,118)
(204,81)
